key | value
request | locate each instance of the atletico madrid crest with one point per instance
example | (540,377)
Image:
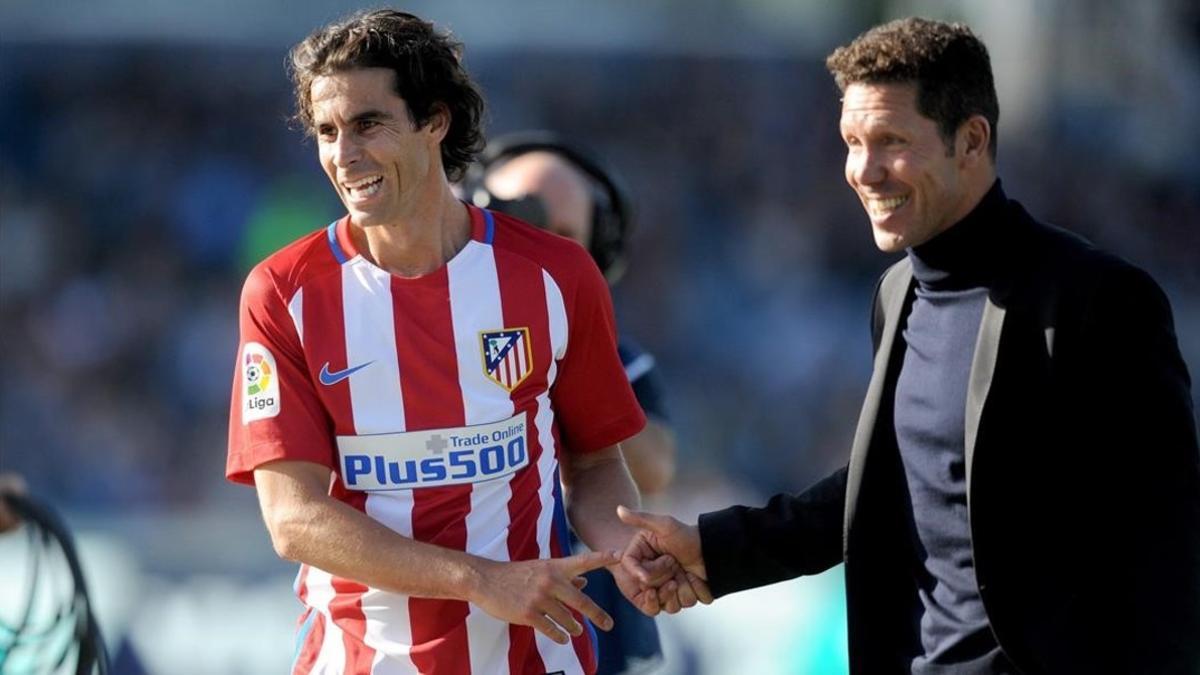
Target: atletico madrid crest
(507,356)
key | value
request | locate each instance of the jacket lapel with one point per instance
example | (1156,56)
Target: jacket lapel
(893,292)
(983,367)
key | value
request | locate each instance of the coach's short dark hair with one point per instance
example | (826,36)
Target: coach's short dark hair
(947,62)
(428,68)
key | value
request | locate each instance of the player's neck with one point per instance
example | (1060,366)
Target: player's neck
(420,242)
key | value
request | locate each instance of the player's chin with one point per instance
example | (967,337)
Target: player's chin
(363,217)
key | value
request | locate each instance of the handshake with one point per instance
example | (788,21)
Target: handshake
(660,569)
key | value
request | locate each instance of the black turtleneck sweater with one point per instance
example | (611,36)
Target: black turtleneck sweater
(953,272)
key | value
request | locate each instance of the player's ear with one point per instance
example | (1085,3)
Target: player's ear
(438,124)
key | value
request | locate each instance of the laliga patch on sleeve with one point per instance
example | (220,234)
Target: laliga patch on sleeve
(260,383)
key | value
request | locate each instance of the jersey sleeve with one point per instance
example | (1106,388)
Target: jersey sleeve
(275,412)
(593,400)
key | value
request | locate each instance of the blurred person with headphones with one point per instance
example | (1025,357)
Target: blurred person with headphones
(562,187)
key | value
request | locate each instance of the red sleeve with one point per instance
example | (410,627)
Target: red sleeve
(593,399)
(275,412)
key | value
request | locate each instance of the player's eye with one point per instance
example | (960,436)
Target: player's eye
(326,132)
(367,125)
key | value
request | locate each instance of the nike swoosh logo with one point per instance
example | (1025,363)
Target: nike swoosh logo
(327,378)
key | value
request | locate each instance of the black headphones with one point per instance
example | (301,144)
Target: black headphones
(611,212)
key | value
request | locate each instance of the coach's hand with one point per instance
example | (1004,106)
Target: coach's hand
(663,535)
(542,593)
(655,569)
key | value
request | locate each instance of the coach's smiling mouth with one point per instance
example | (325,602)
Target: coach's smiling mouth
(881,208)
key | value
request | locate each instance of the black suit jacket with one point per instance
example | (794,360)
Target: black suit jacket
(1083,477)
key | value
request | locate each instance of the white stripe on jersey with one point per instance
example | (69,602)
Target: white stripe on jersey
(385,664)
(557,311)
(388,626)
(375,396)
(487,530)
(554,656)
(377,406)
(331,659)
(474,302)
(296,309)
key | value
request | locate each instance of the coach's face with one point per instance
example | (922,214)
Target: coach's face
(380,163)
(912,186)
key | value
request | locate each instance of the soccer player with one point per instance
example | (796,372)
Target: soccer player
(414,380)
(565,189)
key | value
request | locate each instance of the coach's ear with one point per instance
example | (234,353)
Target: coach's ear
(973,140)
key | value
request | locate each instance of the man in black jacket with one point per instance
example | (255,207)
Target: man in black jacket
(1023,491)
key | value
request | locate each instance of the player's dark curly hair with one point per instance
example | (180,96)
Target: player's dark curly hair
(947,62)
(428,67)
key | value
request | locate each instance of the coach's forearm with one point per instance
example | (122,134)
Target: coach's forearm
(307,525)
(594,485)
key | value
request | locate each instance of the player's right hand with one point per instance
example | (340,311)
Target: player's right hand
(542,593)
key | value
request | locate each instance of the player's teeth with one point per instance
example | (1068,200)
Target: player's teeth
(366,187)
(365,181)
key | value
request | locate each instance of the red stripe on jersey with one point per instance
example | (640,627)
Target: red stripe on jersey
(425,351)
(327,340)
(307,658)
(520,297)
(322,301)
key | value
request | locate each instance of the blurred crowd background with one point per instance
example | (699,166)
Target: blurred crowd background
(146,163)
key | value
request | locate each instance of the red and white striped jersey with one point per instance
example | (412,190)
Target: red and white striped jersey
(442,403)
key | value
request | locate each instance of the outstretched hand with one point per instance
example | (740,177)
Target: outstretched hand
(656,569)
(543,593)
(664,555)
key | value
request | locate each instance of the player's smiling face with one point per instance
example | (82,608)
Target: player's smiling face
(380,163)
(896,160)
